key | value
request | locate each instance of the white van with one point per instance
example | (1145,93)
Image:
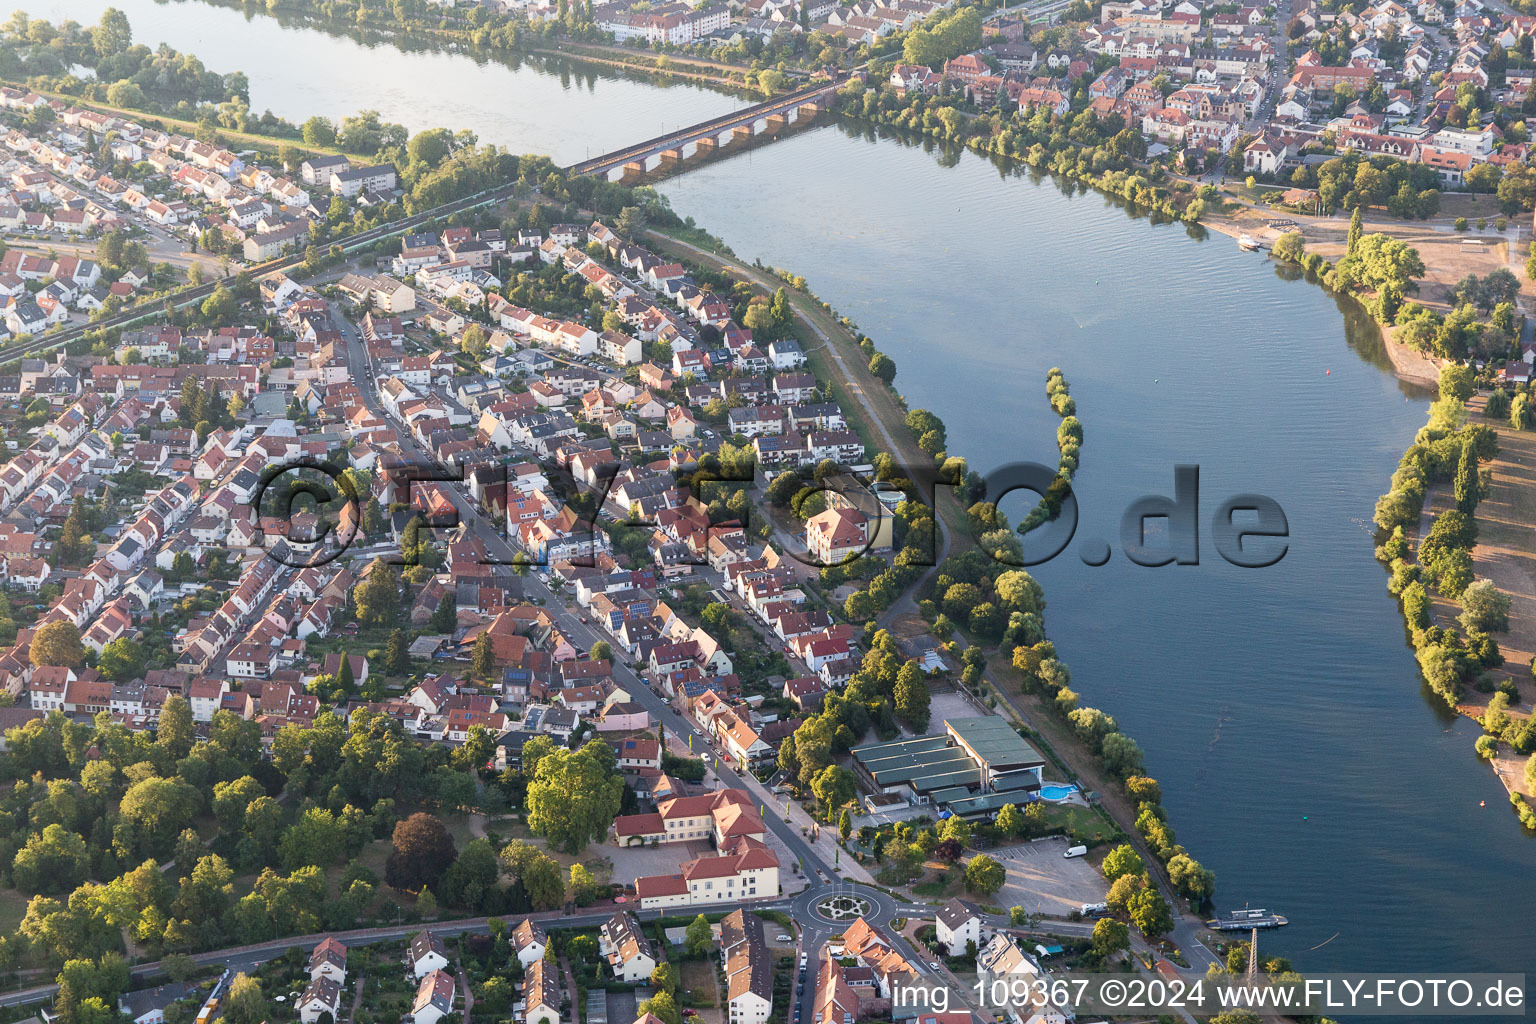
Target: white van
(1075,851)
(1090,909)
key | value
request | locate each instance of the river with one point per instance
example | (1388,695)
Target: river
(1279,707)
(568,112)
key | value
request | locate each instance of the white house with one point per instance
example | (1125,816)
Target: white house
(321,996)
(957,924)
(529,942)
(427,954)
(329,960)
(626,948)
(434,998)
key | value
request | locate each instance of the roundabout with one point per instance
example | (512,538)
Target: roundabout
(840,904)
(843,907)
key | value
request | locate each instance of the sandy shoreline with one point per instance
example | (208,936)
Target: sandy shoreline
(1411,366)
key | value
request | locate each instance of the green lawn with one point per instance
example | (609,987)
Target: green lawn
(1082,822)
(13,907)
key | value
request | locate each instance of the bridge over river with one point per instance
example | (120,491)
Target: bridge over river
(770,117)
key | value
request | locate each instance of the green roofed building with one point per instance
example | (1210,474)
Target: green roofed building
(976,767)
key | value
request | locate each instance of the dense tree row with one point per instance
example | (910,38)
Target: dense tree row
(1446,450)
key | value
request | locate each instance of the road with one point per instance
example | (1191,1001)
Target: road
(501,550)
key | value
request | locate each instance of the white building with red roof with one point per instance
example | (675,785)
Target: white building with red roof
(746,870)
(724,815)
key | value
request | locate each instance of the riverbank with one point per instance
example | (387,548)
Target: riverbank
(227,137)
(477,41)
(880,412)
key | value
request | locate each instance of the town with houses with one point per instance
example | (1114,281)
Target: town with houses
(1258,91)
(525,464)
(1206,82)
(570,504)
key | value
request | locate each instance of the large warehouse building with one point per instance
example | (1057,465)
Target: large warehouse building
(973,769)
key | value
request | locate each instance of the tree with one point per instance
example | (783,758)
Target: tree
(536,873)
(1010,820)
(160,808)
(1118,899)
(664,978)
(318,837)
(601,651)
(699,937)
(1457,382)
(584,886)
(397,654)
(984,876)
(482,662)
(58,643)
(1521,414)
(1291,246)
(318,131)
(422,851)
(230,800)
(1356,229)
(1121,755)
(1122,860)
(112,34)
(175,729)
(377,595)
(245,1004)
(833,787)
(1484,608)
(1467,487)
(1110,936)
(220,306)
(631,222)
(121,660)
(574,796)
(1190,878)
(663,1007)
(179,967)
(1150,913)
(1385,265)
(54,860)
(845,825)
(430,147)
(883,367)
(911,696)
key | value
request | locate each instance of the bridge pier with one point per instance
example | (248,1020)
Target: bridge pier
(633,171)
(743,131)
(807,110)
(671,157)
(705,146)
(775,123)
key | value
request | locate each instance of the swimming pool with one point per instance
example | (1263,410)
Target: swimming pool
(1056,791)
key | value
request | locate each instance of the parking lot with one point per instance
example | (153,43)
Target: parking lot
(949,704)
(1041,879)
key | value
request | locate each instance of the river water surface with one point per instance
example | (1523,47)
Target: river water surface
(566,112)
(1279,707)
